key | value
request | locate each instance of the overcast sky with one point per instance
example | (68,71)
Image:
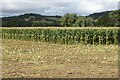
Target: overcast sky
(56,7)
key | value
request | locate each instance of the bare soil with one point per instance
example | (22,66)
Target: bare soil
(29,59)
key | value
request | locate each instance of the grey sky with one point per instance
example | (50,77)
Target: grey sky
(56,7)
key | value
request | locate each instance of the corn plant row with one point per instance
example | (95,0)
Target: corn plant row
(65,36)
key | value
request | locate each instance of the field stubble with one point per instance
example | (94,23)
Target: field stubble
(39,60)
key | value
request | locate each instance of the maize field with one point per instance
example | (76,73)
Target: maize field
(65,36)
(59,52)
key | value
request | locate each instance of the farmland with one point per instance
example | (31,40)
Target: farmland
(60,52)
(65,36)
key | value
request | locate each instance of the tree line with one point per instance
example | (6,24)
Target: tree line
(72,20)
(110,19)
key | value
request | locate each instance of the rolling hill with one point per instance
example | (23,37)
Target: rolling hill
(35,20)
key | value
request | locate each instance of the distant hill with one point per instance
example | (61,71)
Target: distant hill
(31,19)
(38,20)
(98,15)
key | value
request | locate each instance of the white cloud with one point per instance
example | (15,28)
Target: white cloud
(59,0)
(89,6)
(57,7)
